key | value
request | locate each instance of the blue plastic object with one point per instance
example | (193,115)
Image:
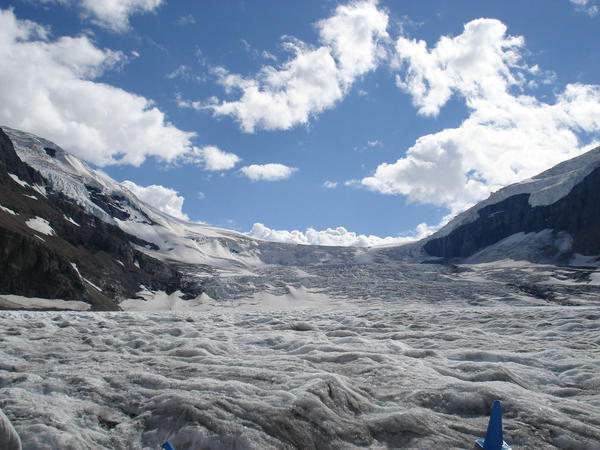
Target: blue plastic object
(168,446)
(493,438)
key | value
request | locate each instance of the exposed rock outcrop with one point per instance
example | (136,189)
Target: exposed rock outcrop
(576,213)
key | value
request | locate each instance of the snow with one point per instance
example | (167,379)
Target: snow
(39,189)
(74,266)
(18,180)
(595,278)
(91,284)
(8,435)
(8,210)
(64,172)
(364,376)
(17,301)
(525,246)
(159,301)
(295,299)
(40,225)
(85,279)
(68,219)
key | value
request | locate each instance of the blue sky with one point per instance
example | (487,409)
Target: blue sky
(384,118)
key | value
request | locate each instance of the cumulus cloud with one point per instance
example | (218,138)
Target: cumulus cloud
(330,184)
(211,158)
(339,236)
(162,198)
(314,79)
(111,14)
(508,135)
(477,63)
(268,172)
(48,89)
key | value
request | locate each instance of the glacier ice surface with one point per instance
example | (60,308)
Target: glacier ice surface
(331,374)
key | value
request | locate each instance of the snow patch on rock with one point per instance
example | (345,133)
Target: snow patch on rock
(18,301)
(8,210)
(91,284)
(17,180)
(41,226)
(39,189)
(68,219)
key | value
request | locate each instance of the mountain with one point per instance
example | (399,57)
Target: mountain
(71,233)
(55,247)
(549,217)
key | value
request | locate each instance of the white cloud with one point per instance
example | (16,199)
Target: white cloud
(585,6)
(477,63)
(187,19)
(314,79)
(268,55)
(268,172)
(111,14)
(183,72)
(330,184)
(334,236)
(162,198)
(211,158)
(215,159)
(48,89)
(200,195)
(507,137)
(370,144)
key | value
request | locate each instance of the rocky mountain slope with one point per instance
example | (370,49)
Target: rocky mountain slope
(558,208)
(51,247)
(72,233)
(551,218)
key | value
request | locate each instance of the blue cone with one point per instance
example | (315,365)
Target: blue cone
(493,438)
(167,446)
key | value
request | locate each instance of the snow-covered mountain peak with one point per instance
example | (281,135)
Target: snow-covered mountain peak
(64,172)
(173,239)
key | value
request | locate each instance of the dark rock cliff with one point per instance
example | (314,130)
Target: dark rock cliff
(84,247)
(10,162)
(578,213)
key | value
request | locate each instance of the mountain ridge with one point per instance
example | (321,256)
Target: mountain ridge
(562,199)
(80,235)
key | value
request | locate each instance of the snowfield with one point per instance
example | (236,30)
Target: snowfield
(334,373)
